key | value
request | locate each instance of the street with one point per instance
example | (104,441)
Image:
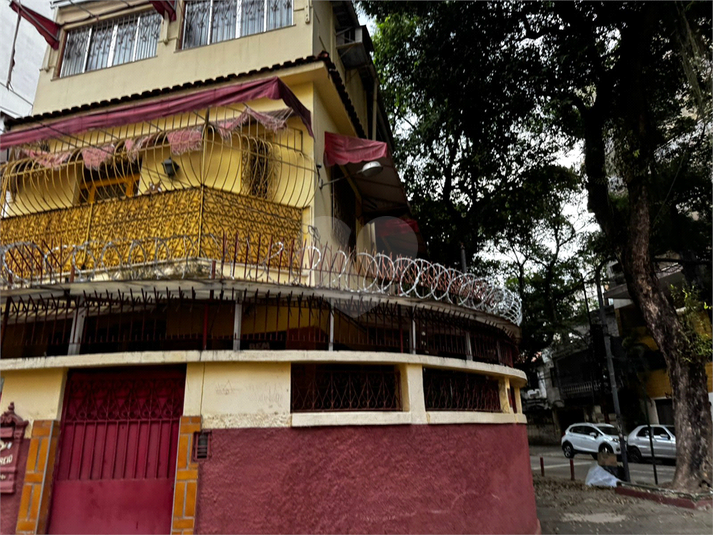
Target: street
(557,465)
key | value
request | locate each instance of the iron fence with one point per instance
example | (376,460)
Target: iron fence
(446,390)
(345,387)
(181,320)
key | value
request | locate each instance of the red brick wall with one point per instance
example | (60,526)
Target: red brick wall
(396,479)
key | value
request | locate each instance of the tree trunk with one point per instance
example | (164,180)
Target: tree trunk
(686,371)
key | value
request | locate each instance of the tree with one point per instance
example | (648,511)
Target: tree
(631,81)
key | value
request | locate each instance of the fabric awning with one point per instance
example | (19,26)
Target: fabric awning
(383,193)
(165,7)
(46,27)
(270,88)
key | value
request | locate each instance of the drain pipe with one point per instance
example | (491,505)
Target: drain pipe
(612,376)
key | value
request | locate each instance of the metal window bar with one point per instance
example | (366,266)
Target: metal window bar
(34,327)
(111,42)
(344,387)
(212,21)
(446,390)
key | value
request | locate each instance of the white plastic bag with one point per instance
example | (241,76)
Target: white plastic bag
(598,477)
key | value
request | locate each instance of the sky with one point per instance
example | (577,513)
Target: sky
(30,47)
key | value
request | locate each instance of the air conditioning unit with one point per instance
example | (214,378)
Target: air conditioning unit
(354,46)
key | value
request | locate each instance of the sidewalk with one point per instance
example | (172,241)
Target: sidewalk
(570,507)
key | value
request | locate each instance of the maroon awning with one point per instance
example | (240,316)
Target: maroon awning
(341,150)
(134,112)
(47,28)
(165,7)
(383,193)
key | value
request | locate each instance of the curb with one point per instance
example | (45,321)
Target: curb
(697,501)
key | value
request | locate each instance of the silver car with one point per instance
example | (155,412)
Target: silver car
(663,439)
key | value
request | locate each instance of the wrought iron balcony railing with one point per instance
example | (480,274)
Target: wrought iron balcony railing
(216,193)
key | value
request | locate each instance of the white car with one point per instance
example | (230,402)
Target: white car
(664,441)
(590,438)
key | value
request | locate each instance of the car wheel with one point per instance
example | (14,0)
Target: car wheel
(568,450)
(634,454)
(606,448)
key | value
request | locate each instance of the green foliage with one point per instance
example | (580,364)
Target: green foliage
(695,321)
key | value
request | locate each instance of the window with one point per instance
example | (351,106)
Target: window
(345,387)
(111,42)
(258,179)
(446,390)
(660,432)
(116,181)
(212,21)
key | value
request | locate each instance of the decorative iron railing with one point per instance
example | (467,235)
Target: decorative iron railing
(446,390)
(242,257)
(345,387)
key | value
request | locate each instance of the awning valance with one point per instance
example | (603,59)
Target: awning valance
(383,193)
(270,88)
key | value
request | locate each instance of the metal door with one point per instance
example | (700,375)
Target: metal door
(117,451)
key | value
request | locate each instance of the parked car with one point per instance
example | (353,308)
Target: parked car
(664,441)
(590,438)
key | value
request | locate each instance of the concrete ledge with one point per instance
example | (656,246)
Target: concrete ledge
(129,358)
(322,419)
(700,500)
(467,417)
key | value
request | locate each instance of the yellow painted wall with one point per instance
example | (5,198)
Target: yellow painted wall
(171,65)
(37,394)
(659,386)
(245,394)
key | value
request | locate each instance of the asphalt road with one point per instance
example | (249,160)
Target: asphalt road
(557,465)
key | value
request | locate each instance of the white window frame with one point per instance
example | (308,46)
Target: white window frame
(112,45)
(238,23)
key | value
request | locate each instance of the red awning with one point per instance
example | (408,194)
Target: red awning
(165,7)
(341,150)
(47,28)
(383,193)
(134,112)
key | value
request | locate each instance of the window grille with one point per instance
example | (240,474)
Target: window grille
(345,387)
(212,21)
(258,179)
(111,42)
(446,390)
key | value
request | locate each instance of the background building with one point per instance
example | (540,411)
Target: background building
(210,322)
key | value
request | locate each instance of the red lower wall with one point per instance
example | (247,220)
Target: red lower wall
(377,479)
(10,503)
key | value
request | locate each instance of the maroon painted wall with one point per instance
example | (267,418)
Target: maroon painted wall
(10,503)
(377,479)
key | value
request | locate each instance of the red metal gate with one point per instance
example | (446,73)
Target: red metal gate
(117,451)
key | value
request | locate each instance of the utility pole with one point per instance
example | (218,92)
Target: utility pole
(612,376)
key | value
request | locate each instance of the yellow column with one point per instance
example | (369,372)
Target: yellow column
(504,399)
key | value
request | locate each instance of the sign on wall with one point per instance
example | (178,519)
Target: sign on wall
(12,431)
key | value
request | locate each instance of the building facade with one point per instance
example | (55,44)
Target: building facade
(215,318)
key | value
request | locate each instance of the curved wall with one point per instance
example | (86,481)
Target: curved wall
(370,479)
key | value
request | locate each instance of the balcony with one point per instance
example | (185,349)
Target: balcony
(164,193)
